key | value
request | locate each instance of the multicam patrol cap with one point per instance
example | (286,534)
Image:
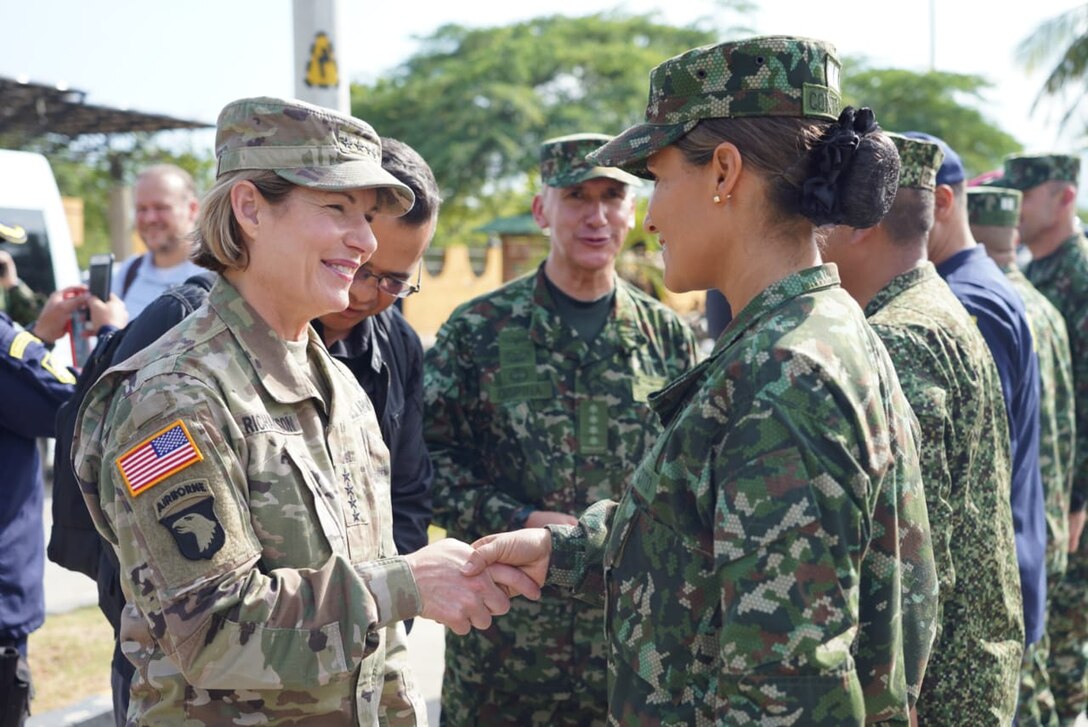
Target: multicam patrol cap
(763,76)
(308,145)
(1026,171)
(993,206)
(919,161)
(563,161)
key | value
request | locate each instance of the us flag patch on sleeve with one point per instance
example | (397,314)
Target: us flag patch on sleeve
(166,452)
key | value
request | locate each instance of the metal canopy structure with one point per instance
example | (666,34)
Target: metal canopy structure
(32,110)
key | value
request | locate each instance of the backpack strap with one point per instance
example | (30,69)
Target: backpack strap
(130,275)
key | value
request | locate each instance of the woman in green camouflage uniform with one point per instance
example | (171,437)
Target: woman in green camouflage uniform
(770,562)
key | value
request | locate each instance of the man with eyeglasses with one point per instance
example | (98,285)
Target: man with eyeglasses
(373,339)
(536,407)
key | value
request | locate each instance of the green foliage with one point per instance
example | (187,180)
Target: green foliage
(477,102)
(946,105)
(1062,44)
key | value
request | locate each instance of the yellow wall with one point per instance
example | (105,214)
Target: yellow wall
(456,283)
(73,211)
(439,294)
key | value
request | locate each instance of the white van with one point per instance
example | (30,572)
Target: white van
(30,199)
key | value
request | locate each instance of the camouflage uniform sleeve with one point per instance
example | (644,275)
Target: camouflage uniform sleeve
(918,551)
(790,514)
(223,620)
(400,701)
(935,436)
(23,304)
(577,560)
(465,501)
(1078,347)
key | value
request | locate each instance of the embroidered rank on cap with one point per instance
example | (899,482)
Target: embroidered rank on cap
(166,452)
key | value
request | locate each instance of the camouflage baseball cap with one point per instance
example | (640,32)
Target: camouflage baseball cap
(563,161)
(1026,171)
(993,206)
(764,76)
(308,145)
(919,161)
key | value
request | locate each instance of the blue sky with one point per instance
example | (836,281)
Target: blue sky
(190,58)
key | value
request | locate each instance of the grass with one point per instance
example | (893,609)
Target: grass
(70,658)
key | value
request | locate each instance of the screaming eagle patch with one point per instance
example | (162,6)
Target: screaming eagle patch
(187,510)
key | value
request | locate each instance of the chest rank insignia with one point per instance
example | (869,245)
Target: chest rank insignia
(187,510)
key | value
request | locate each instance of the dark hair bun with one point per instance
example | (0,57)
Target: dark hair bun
(853,173)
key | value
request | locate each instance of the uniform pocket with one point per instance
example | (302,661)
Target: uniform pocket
(287,500)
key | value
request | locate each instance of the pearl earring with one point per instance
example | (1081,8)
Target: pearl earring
(717,199)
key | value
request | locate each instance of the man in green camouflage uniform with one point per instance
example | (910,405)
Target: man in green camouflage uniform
(951,382)
(993,214)
(16,298)
(1059,270)
(244,484)
(535,406)
(770,562)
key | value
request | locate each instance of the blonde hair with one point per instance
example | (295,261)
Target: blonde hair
(218,241)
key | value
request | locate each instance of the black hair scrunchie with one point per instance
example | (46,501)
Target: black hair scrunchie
(831,156)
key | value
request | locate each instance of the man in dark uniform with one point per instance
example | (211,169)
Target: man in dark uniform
(372,338)
(32,386)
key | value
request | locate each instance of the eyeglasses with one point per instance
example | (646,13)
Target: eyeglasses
(388,284)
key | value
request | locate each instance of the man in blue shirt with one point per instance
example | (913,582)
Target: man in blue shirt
(987,295)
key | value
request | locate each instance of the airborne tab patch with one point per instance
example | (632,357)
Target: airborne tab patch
(166,452)
(188,512)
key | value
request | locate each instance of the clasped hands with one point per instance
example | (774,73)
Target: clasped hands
(463,586)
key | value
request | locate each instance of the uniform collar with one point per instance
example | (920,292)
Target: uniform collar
(669,400)
(900,283)
(548,330)
(364,340)
(266,351)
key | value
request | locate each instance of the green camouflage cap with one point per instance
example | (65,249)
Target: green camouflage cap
(1026,171)
(918,162)
(308,145)
(563,161)
(764,76)
(993,206)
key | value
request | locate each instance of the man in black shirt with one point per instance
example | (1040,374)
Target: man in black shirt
(374,340)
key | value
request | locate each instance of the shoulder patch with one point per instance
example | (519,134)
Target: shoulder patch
(166,452)
(188,512)
(18,344)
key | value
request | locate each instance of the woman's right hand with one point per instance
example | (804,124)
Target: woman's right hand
(528,549)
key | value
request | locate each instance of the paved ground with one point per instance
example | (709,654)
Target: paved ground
(65,591)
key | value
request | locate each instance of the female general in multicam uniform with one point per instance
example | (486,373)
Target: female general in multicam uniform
(239,470)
